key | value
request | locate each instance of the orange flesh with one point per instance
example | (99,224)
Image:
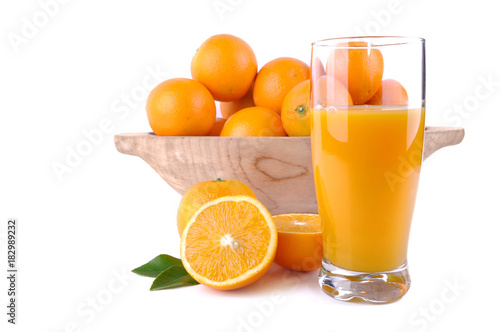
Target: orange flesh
(226,240)
(299,242)
(291,224)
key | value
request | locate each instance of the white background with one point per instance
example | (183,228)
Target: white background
(80,235)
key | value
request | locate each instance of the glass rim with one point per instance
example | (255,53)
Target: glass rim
(372,41)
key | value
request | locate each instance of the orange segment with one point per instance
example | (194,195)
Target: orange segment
(300,246)
(229,243)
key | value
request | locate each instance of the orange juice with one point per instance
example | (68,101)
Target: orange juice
(366,163)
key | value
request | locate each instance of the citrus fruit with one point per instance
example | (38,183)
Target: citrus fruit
(217,127)
(295,110)
(254,121)
(319,68)
(300,246)
(180,107)
(391,92)
(329,91)
(275,79)
(359,68)
(229,243)
(228,108)
(204,192)
(226,65)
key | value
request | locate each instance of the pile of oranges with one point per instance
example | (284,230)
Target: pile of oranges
(273,101)
(252,103)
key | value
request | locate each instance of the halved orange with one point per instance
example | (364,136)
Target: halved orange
(203,192)
(229,242)
(300,243)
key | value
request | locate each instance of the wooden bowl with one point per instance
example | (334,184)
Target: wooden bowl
(277,169)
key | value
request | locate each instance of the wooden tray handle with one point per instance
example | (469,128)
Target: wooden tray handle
(129,143)
(438,137)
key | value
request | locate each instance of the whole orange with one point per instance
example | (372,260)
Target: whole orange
(360,68)
(226,65)
(295,110)
(217,127)
(228,108)
(329,91)
(391,92)
(254,121)
(180,107)
(203,192)
(276,79)
(319,68)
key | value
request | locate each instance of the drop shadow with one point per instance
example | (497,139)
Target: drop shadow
(280,281)
(276,280)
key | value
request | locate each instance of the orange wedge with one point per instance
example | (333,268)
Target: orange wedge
(229,242)
(300,244)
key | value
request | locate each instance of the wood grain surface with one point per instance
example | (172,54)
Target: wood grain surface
(277,169)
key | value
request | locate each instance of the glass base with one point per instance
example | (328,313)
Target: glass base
(378,287)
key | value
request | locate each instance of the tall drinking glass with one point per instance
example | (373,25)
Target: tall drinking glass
(367,132)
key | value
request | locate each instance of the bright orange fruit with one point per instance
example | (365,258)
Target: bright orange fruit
(204,192)
(300,243)
(391,92)
(226,65)
(254,121)
(229,243)
(329,91)
(228,108)
(318,67)
(360,68)
(276,79)
(217,127)
(180,107)
(295,110)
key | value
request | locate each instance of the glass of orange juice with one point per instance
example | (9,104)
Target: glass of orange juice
(367,132)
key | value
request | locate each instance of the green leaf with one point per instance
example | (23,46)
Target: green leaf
(157,265)
(173,277)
